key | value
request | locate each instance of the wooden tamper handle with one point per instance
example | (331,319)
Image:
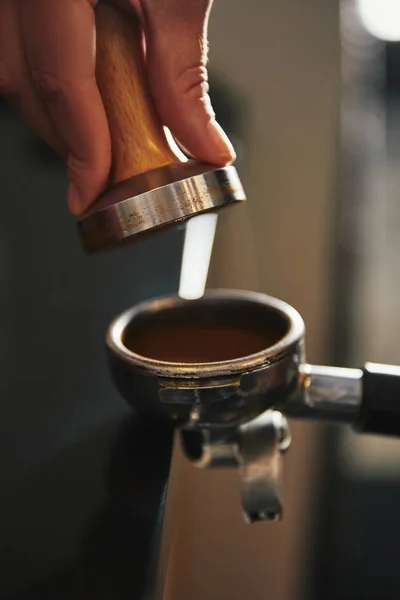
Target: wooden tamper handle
(138,141)
(151,188)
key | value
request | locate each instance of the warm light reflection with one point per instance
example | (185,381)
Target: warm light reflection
(381,18)
(199,240)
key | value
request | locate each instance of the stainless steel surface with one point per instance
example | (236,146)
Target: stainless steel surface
(254,448)
(330,394)
(155,199)
(226,392)
(228,404)
(238,299)
(212,447)
(261,443)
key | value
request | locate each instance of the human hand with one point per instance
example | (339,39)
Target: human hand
(47,70)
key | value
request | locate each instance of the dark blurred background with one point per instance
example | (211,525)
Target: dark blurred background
(356,547)
(310,94)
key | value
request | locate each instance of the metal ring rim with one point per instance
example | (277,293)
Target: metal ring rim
(232,367)
(160,207)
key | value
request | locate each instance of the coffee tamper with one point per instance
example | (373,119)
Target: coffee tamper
(230,403)
(150,187)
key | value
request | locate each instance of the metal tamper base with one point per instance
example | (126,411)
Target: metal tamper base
(155,199)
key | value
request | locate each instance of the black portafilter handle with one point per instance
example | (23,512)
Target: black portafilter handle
(368,398)
(380,402)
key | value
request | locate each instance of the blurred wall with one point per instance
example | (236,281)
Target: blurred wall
(283,56)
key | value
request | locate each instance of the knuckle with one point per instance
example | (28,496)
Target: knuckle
(95,161)
(193,81)
(48,87)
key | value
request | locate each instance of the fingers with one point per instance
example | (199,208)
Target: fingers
(47,68)
(15,81)
(59,38)
(176,41)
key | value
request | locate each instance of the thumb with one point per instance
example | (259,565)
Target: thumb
(177,46)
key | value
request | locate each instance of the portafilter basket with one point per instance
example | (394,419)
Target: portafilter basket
(225,367)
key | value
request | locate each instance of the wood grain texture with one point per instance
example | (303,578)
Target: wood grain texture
(138,140)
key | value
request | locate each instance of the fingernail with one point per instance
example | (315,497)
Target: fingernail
(223,148)
(74,199)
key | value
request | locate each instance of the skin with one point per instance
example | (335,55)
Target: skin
(47,70)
